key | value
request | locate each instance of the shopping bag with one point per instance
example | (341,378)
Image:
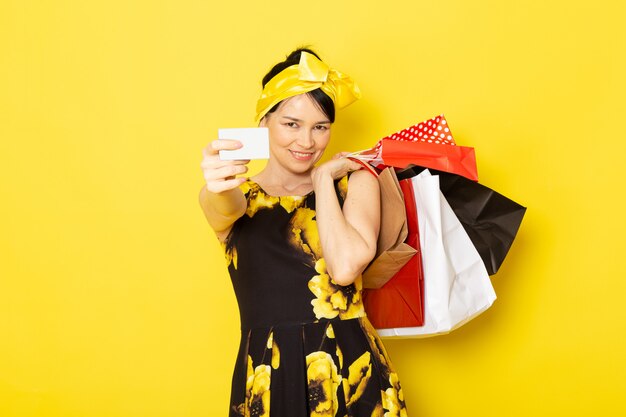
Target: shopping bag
(400,302)
(456,283)
(435,130)
(456,159)
(392,253)
(490,219)
(429,144)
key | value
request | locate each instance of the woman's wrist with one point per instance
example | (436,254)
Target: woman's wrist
(321,175)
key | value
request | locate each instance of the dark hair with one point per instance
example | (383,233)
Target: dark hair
(321,99)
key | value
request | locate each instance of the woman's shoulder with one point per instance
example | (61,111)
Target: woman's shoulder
(361,180)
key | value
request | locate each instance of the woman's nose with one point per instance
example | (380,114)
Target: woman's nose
(305,139)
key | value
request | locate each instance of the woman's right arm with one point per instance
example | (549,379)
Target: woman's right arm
(221,199)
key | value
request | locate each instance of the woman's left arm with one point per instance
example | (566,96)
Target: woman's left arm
(349,236)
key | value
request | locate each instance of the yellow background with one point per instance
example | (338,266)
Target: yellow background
(114,296)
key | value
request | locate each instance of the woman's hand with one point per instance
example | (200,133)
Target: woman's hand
(336,168)
(221,175)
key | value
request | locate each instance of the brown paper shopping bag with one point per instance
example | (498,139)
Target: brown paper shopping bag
(392,253)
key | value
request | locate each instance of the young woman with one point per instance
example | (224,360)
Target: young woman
(296,239)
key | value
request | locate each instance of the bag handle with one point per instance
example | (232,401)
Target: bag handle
(365,165)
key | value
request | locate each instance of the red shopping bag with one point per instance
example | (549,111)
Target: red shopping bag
(454,159)
(428,144)
(400,302)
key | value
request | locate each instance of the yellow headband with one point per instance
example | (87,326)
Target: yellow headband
(309,74)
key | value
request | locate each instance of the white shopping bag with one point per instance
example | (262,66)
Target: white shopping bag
(456,284)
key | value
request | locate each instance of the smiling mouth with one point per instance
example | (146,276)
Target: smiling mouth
(301,155)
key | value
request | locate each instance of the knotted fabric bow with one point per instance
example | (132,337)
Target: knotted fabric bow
(310,73)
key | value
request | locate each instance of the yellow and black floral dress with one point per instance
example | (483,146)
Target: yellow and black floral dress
(307,347)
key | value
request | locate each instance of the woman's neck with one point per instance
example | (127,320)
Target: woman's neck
(278,178)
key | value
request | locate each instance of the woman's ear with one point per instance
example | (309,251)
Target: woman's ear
(262,122)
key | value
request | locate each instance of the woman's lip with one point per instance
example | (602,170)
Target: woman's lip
(301,156)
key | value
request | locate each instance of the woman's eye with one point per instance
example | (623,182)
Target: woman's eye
(291,124)
(321,127)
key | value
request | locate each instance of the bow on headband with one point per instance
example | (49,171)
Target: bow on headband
(309,74)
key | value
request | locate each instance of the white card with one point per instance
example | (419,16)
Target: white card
(255,141)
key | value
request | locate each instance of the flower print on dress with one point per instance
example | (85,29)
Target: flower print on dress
(259,404)
(332,299)
(378,411)
(322,383)
(330,333)
(290,203)
(359,373)
(377,346)
(230,253)
(271,344)
(393,398)
(258,199)
(304,234)
(257,400)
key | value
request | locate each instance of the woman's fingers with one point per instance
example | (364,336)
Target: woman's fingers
(215,146)
(354,166)
(225,185)
(222,175)
(224,172)
(340,155)
(214,163)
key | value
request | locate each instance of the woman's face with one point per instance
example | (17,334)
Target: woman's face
(299,133)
